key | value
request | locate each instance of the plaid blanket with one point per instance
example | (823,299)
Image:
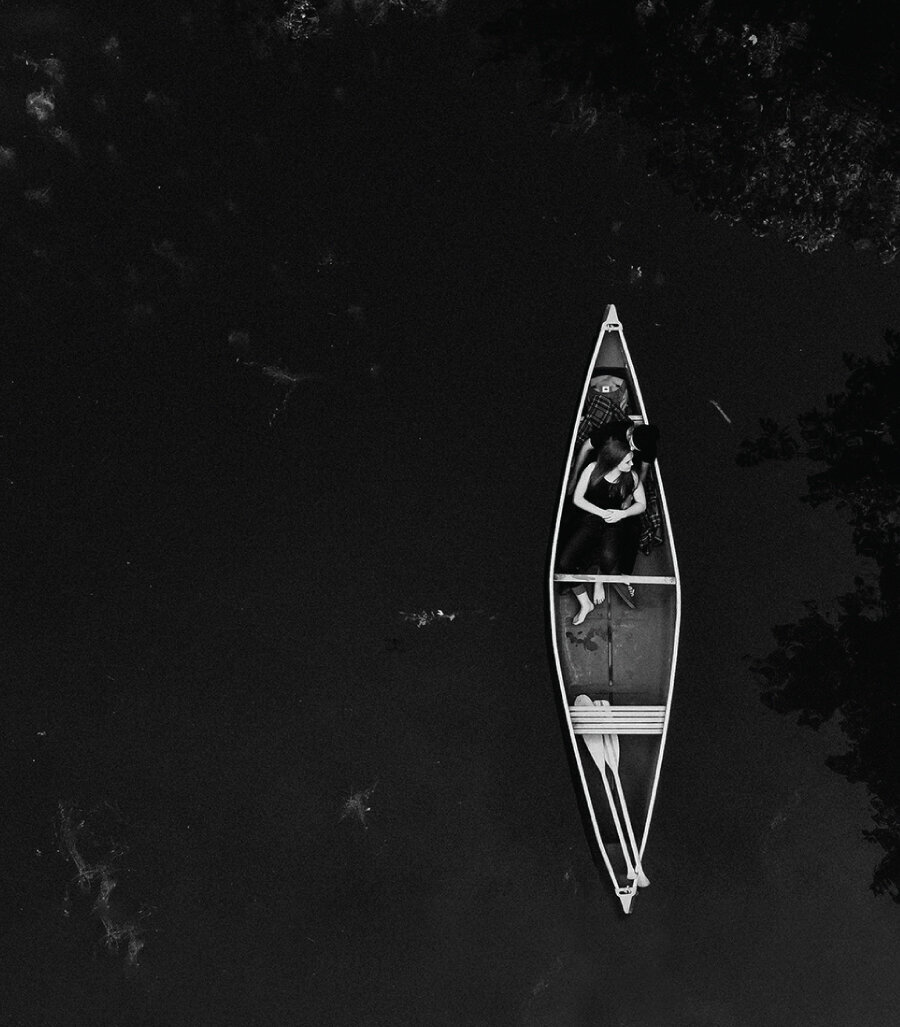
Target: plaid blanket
(600,409)
(651,518)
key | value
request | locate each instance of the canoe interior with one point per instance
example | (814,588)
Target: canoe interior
(620,654)
(624,656)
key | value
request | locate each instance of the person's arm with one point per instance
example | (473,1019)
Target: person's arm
(580,459)
(585,504)
(640,501)
(637,507)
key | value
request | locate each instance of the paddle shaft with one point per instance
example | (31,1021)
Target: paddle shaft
(612,745)
(615,815)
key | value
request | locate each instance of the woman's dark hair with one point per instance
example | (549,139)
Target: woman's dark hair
(610,455)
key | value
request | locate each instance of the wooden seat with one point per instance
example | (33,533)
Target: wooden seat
(617,720)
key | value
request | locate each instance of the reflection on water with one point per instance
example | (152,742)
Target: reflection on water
(422,618)
(92,840)
(357,806)
(838,663)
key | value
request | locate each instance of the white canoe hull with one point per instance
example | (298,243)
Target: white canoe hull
(623,660)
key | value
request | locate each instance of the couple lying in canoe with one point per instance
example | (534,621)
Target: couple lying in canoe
(603,522)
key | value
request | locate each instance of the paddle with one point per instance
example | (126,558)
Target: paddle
(611,750)
(602,762)
(597,749)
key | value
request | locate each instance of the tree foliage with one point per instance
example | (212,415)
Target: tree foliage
(762,113)
(843,664)
(268,24)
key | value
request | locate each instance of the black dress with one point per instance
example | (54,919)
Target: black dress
(590,542)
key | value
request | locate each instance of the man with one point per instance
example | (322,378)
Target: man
(641,439)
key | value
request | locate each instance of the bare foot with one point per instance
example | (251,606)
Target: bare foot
(585,608)
(599,592)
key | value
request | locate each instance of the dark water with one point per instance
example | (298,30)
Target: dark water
(209,628)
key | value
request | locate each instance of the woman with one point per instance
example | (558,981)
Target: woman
(642,440)
(604,526)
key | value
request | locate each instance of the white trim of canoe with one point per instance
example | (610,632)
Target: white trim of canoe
(611,323)
(624,579)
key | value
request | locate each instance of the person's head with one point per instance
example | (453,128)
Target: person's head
(644,440)
(614,454)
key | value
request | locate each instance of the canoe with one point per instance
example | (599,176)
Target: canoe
(617,669)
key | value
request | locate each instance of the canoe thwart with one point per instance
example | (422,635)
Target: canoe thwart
(616,729)
(625,579)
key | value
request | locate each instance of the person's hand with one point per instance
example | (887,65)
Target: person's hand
(611,516)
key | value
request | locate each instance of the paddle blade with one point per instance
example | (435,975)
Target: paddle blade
(597,750)
(626,898)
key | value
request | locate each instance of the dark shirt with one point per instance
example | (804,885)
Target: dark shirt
(611,495)
(610,430)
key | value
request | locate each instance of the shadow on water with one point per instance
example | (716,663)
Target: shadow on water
(838,663)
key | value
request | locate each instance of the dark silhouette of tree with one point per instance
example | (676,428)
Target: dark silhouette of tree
(843,664)
(775,115)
